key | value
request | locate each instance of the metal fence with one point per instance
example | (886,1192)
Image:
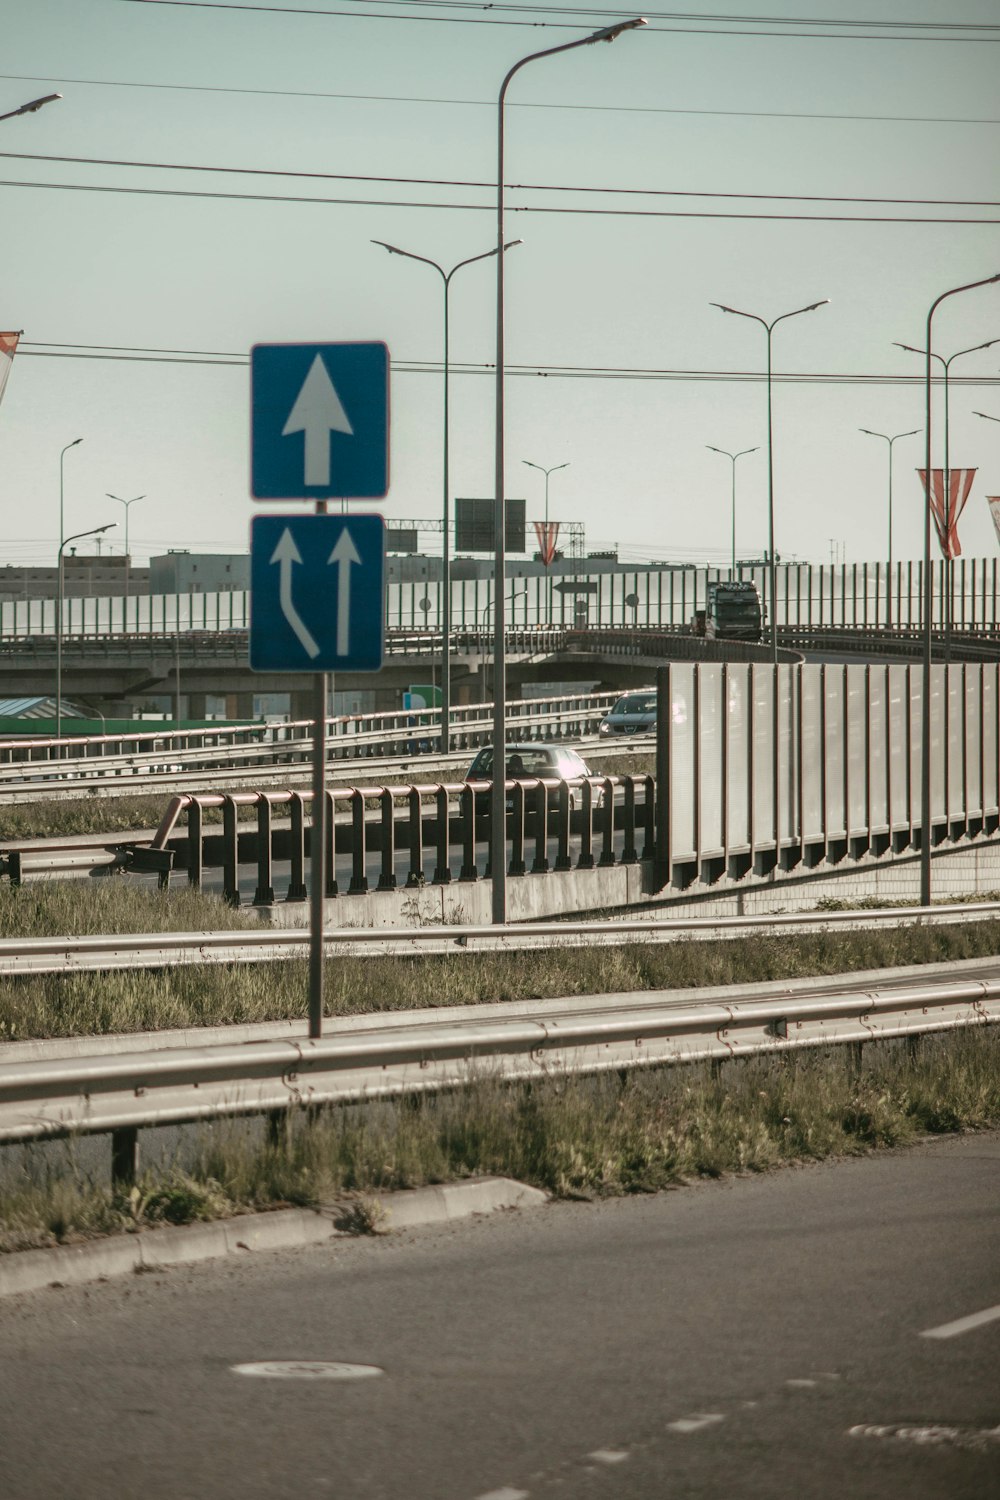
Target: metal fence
(828,769)
(855,595)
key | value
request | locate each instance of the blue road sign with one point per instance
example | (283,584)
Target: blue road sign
(317,593)
(319,421)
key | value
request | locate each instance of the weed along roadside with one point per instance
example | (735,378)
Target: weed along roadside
(572,1137)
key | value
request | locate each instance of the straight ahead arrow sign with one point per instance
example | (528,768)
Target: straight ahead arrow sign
(344,555)
(317,412)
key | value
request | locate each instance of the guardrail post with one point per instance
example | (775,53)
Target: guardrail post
(124,1156)
(230,852)
(586,860)
(540,863)
(563,861)
(608,821)
(297,849)
(469,870)
(517,865)
(630,854)
(387,874)
(359,880)
(196,848)
(332,888)
(415,875)
(264,894)
(442,869)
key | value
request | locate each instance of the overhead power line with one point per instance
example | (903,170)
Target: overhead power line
(627,213)
(151,354)
(514,104)
(522,187)
(718,29)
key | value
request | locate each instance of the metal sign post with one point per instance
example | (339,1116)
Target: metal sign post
(319,430)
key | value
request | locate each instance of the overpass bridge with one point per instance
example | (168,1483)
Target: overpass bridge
(607,629)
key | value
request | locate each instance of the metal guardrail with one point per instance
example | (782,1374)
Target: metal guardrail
(124,1093)
(20,957)
(76,765)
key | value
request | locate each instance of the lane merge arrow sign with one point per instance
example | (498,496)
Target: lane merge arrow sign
(319,421)
(317,593)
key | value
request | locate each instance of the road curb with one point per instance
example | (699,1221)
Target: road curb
(154,1249)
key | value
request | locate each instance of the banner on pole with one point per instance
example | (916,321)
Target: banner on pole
(993,501)
(947,504)
(547,533)
(8,345)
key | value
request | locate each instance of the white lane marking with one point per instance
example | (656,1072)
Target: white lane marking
(962,1325)
(608,1455)
(696,1421)
(802,1385)
(505,1494)
(931,1436)
(307,1369)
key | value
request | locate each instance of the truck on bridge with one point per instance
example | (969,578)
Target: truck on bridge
(733,612)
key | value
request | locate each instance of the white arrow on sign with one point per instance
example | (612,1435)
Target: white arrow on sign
(344,554)
(286,555)
(317,411)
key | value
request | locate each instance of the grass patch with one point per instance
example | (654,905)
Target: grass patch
(64,1005)
(611,1134)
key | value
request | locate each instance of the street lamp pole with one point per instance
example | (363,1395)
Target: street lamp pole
(772,569)
(948,572)
(446,553)
(59,588)
(733,457)
(498,824)
(94,531)
(128,559)
(31,106)
(925,706)
(548,575)
(888,587)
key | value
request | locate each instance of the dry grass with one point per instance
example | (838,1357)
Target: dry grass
(576,1137)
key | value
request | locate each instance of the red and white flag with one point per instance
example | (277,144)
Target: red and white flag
(946,508)
(993,501)
(547,533)
(8,344)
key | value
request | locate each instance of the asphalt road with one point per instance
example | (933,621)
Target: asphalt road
(763,1337)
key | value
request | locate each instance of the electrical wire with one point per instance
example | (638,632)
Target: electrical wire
(712,30)
(151,354)
(523,187)
(490,104)
(627,213)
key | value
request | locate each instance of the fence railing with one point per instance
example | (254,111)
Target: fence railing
(866,595)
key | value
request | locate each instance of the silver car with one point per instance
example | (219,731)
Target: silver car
(634,713)
(530,761)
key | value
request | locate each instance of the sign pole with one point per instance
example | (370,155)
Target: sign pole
(317,858)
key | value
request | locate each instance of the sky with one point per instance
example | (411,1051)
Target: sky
(141,284)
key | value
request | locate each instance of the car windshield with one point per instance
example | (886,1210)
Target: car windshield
(528,761)
(636,703)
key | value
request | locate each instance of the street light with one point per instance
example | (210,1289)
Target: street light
(128,559)
(29,109)
(446,557)
(772,570)
(59,583)
(946,366)
(890,440)
(925,727)
(498,824)
(94,531)
(733,457)
(546,472)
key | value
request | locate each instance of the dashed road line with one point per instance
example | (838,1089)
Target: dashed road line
(505,1494)
(608,1455)
(696,1421)
(962,1325)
